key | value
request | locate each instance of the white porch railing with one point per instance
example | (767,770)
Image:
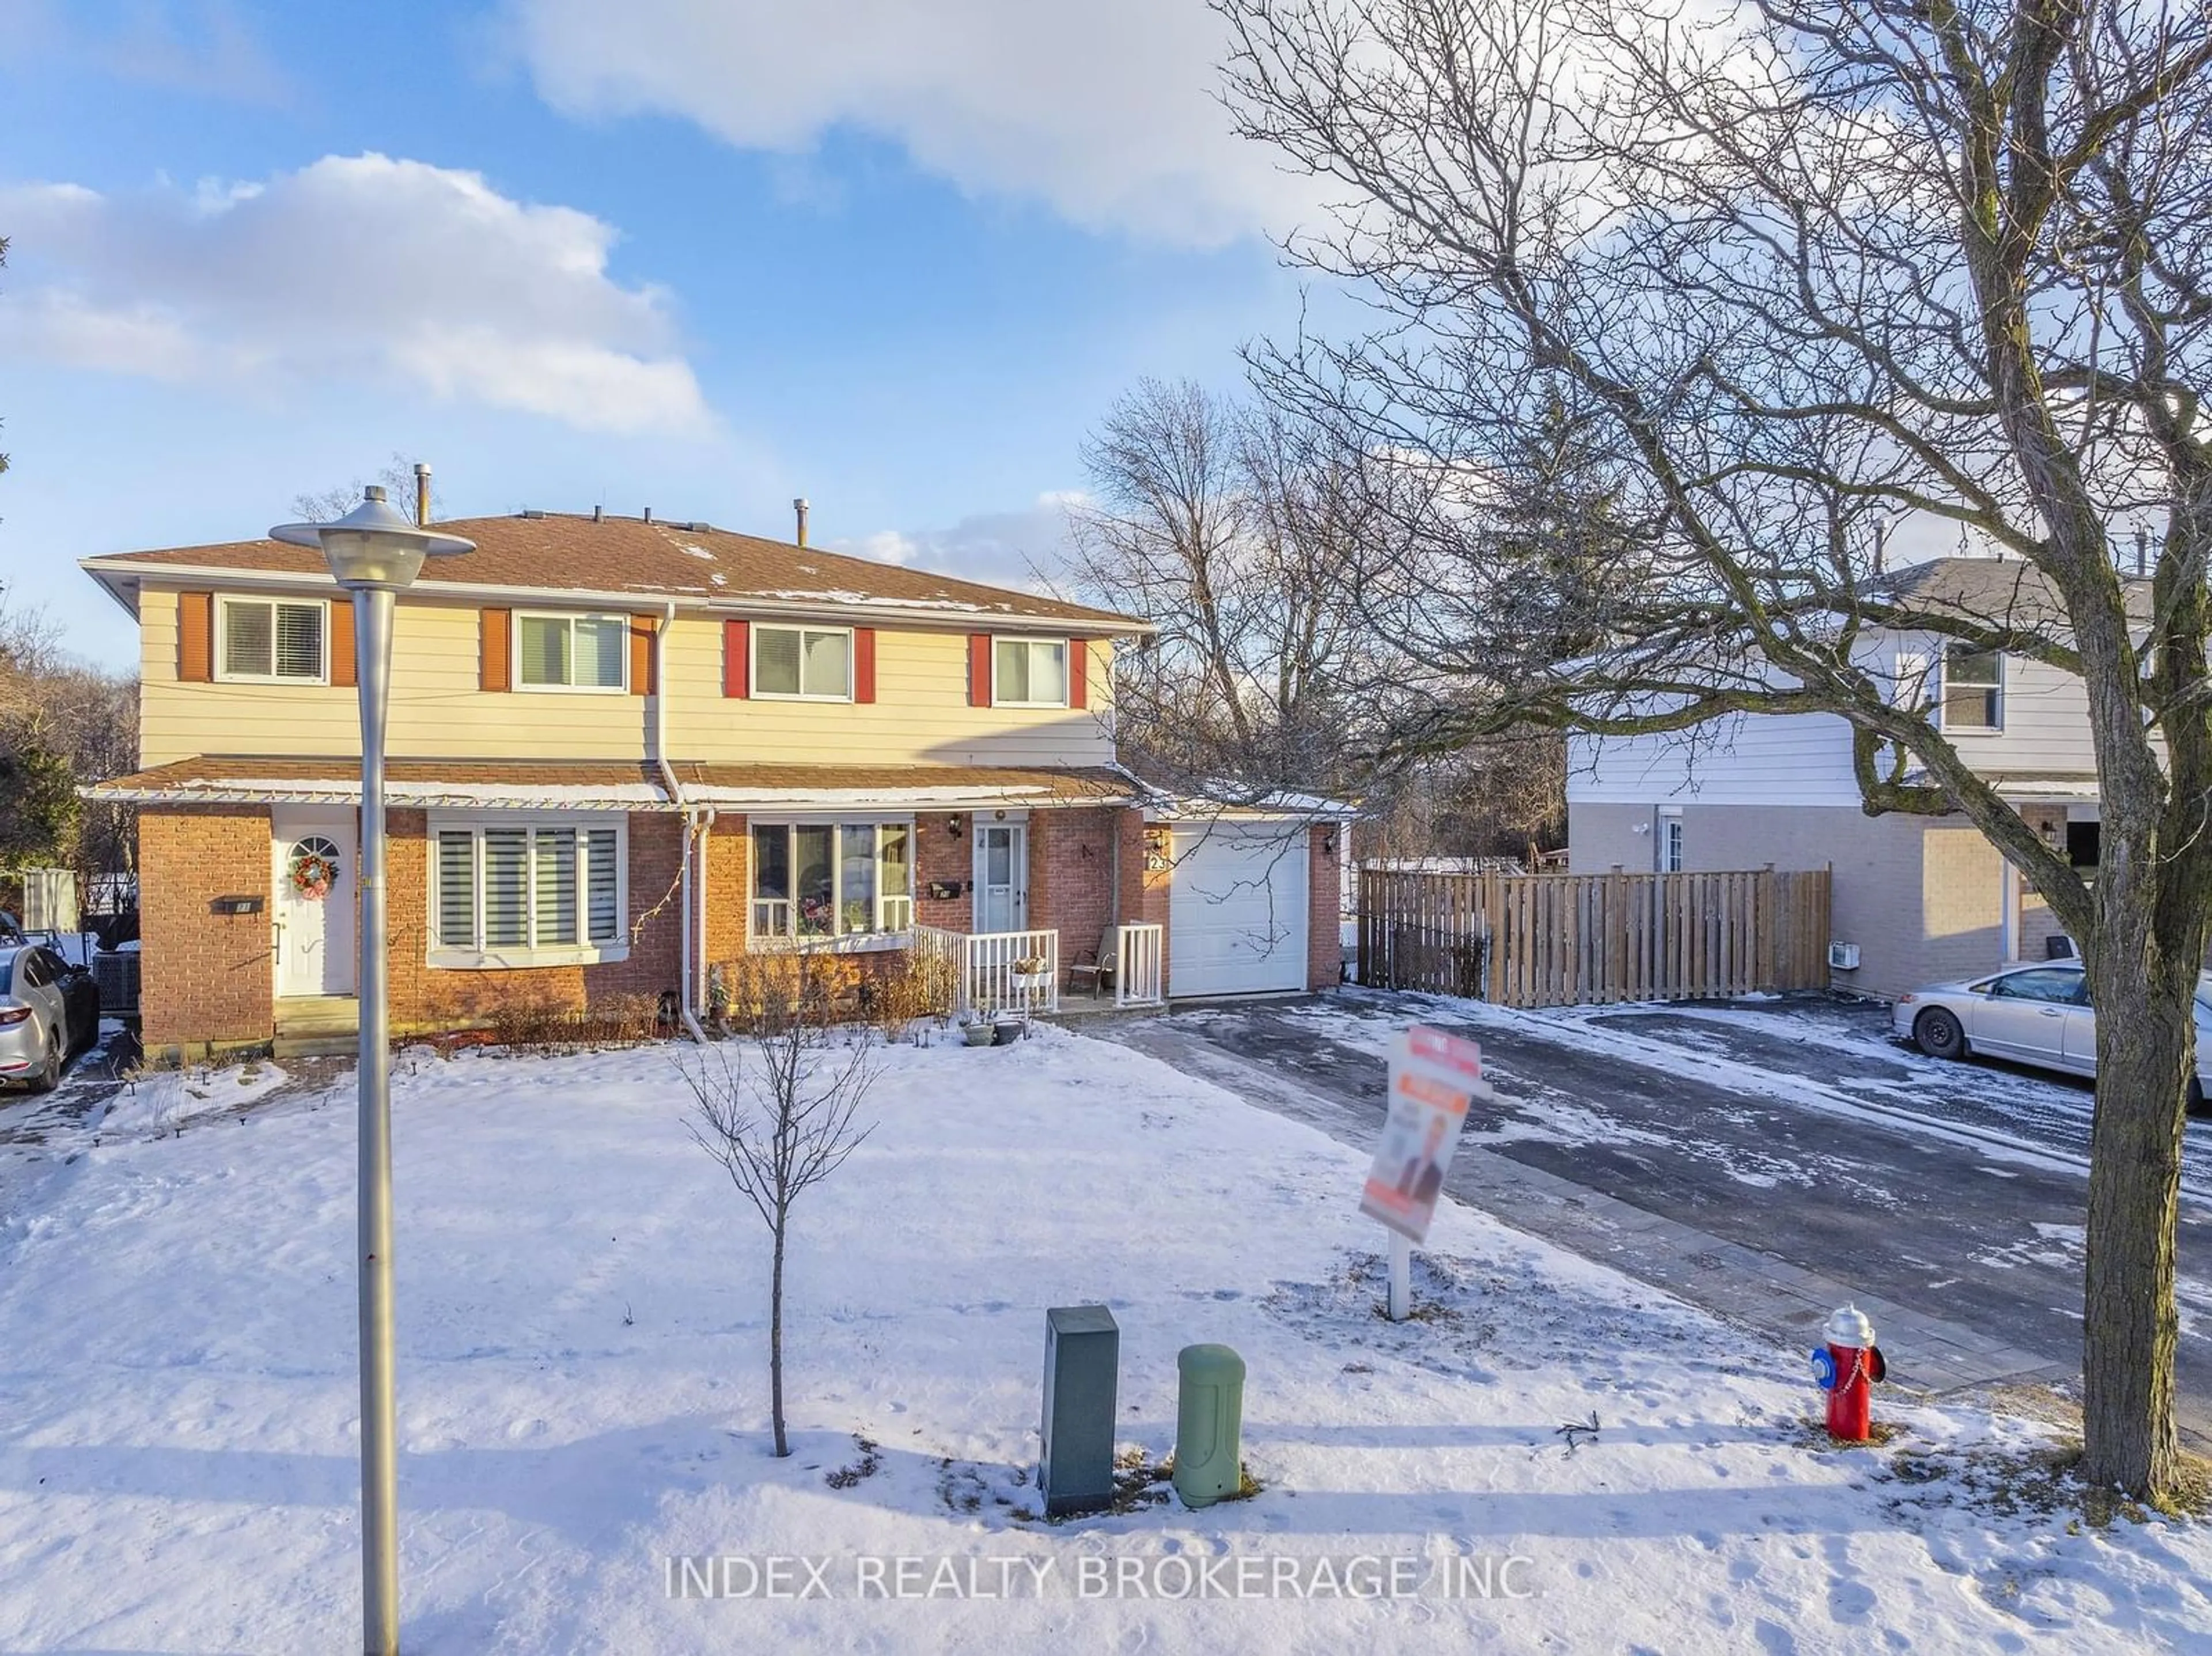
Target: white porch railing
(1139,955)
(986,981)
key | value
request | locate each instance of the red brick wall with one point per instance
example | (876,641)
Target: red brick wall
(1072,876)
(1144,891)
(424,997)
(1324,938)
(206,978)
(941,855)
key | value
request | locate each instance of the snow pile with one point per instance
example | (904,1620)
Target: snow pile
(159,1103)
(582,1399)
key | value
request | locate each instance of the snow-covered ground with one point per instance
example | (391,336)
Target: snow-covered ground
(583,1398)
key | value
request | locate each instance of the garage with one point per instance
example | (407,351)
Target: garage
(1237,908)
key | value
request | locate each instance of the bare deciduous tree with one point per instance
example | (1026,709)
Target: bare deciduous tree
(1794,272)
(780,1118)
(1212,518)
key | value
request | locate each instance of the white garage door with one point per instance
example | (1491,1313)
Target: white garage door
(1237,910)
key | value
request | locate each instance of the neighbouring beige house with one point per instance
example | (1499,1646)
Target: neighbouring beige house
(1916,900)
(626,750)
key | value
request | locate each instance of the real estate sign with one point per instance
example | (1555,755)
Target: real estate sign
(1434,1077)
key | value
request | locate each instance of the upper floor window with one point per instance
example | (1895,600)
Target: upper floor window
(809,664)
(1029,672)
(571,653)
(1972,688)
(273,640)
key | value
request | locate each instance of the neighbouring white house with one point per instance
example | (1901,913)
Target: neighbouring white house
(1916,899)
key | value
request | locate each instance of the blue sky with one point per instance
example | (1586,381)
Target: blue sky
(701,255)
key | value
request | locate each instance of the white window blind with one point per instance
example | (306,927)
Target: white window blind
(815,663)
(267,638)
(519,890)
(583,652)
(1028,671)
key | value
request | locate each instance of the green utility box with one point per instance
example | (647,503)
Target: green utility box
(1209,1425)
(1082,1357)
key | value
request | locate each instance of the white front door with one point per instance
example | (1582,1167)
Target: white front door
(314,902)
(1002,876)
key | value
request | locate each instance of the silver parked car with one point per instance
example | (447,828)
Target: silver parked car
(49,1011)
(2038,1014)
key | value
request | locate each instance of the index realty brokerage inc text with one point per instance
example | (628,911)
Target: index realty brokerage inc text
(792,1577)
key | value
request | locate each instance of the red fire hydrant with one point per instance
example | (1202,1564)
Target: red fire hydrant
(1846,1368)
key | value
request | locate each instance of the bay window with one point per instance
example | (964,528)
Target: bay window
(818,882)
(1029,672)
(526,893)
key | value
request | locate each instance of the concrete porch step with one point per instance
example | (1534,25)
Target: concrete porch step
(317,1026)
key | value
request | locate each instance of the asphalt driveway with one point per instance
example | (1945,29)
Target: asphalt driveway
(1795,1130)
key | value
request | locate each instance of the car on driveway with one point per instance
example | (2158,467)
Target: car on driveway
(2039,1015)
(49,1012)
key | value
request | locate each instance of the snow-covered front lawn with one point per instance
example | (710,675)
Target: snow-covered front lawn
(583,1398)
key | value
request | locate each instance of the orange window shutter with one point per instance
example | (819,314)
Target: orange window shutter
(494,671)
(864,663)
(737,667)
(341,649)
(979,669)
(1078,672)
(196,637)
(640,657)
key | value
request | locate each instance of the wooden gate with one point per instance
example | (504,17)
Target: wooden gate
(1580,939)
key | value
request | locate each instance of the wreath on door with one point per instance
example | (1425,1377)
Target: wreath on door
(313,868)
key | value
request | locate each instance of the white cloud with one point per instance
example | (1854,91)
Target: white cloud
(353,269)
(1026,548)
(1106,113)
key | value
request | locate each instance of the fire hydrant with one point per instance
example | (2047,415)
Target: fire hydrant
(1846,1368)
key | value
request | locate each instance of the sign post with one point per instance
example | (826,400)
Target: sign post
(1434,1077)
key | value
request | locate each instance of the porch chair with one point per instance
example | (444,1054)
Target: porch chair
(1096,965)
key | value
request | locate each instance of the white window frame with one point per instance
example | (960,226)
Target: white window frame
(1942,675)
(220,644)
(1672,842)
(884,936)
(752,665)
(572,616)
(479,957)
(1067,664)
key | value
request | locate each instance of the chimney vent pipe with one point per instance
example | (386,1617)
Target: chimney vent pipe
(648,515)
(799,508)
(422,493)
(598,513)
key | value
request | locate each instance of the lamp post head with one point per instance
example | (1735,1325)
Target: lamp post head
(373,546)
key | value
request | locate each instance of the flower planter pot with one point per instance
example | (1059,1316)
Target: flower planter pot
(980,1035)
(1006,1034)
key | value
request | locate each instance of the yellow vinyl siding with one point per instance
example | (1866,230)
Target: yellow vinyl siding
(920,713)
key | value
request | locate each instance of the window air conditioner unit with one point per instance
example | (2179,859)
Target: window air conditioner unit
(1843,957)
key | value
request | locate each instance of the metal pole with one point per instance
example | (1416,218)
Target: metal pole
(1401,1277)
(379,1463)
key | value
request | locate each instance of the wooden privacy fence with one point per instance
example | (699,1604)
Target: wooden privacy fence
(1580,939)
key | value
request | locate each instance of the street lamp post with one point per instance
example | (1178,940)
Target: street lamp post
(374,553)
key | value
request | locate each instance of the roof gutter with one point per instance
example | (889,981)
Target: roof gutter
(102,569)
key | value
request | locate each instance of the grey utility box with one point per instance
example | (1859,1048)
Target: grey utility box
(1082,1355)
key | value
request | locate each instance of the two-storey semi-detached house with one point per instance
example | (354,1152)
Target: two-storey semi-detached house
(1917,899)
(625,751)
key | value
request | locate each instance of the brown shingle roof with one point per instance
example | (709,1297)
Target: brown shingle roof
(614,785)
(565,552)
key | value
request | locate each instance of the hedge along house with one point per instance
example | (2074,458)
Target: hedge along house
(624,750)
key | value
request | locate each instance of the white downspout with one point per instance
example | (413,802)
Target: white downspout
(684,1000)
